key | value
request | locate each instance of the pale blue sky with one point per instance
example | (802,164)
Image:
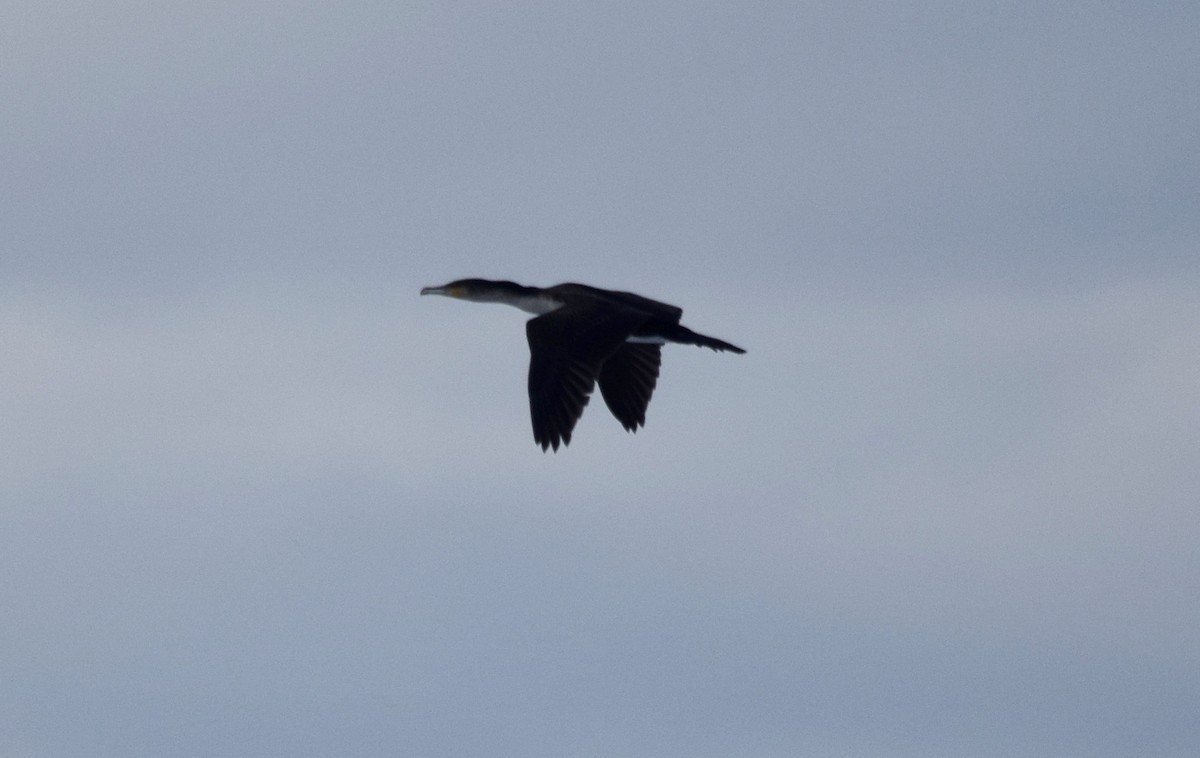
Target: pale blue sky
(257,497)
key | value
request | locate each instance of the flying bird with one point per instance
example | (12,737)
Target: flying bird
(581,336)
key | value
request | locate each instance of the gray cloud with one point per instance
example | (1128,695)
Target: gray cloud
(257,496)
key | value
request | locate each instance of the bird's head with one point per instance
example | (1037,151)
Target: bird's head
(477,290)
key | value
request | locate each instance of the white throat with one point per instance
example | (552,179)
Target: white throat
(536,304)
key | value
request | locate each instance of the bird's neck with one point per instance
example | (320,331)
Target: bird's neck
(529,299)
(535,303)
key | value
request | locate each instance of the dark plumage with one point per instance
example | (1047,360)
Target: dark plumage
(582,335)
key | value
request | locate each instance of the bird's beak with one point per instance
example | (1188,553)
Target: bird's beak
(445,289)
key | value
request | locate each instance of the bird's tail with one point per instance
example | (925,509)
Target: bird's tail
(682,334)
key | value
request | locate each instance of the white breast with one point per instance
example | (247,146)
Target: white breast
(536,304)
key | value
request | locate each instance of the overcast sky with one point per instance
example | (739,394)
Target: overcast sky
(257,497)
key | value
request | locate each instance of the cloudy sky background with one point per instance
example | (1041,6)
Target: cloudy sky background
(259,498)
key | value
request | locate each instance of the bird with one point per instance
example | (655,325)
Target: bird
(580,336)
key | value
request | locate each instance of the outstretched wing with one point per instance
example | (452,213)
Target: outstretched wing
(567,349)
(627,380)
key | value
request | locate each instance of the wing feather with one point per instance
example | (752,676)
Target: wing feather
(568,348)
(627,380)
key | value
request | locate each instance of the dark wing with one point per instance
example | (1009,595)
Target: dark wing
(655,308)
(567,349)
(627,381)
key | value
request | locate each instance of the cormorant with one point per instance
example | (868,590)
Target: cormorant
(582,335)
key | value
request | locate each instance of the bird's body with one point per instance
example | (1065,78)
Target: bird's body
(581,336)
